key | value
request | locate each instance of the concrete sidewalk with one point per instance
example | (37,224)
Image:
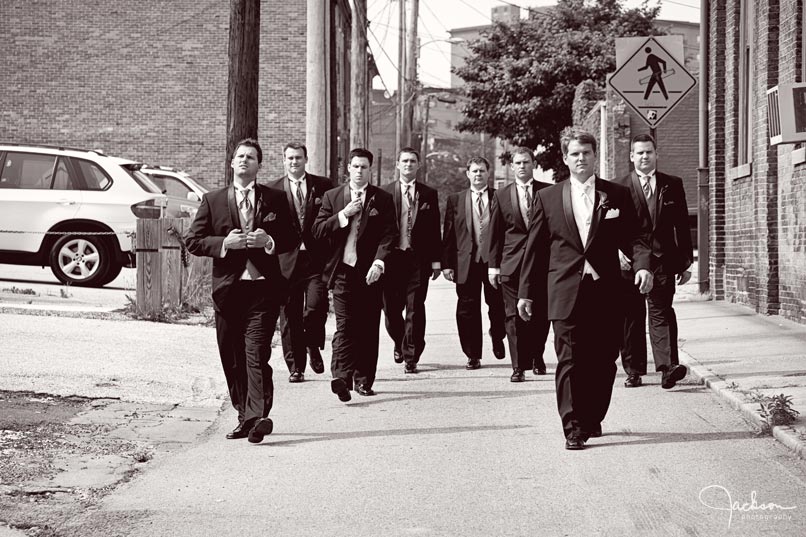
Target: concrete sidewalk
(739,354)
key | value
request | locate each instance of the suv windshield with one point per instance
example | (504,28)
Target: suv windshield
(143,181)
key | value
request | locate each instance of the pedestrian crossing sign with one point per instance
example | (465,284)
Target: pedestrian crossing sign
(652,82)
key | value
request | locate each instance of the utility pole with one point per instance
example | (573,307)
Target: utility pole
(410,95)
(358,65)
(401,76)
(424,146)
(242,84)
(317,108)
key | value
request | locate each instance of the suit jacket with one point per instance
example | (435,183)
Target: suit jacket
(670,233)
(377,234)
(508,231)
(317,250)
(555,256)
(426,241)
(457,233)
(218,214)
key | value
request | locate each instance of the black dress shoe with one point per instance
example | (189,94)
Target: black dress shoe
(339,387)
(672,375)
(410,368)
(296,376)
(539,370)
(261,428)
(575,441)
(317,364)
(398,357)
(517,376)
(593,432)
(633,380)
(238,432)
(361,389)
(498,349)
(473,364)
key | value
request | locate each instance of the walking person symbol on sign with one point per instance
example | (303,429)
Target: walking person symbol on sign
(654,63)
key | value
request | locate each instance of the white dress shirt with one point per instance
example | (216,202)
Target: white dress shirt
(583,196)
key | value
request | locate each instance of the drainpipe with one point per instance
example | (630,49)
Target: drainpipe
(703,200)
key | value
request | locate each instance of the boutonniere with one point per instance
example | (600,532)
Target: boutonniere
(373,212)
(663,190)
(270,217)
(604,202)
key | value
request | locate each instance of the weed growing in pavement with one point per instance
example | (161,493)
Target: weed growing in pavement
(143,454)
(732,386)
(17,291)
(64,291)
(777,410)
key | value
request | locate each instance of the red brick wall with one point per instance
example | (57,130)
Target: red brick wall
(146,80)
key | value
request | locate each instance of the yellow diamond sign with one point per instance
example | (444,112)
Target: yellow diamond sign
(652,82)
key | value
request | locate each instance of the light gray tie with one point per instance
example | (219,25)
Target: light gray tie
(650,197)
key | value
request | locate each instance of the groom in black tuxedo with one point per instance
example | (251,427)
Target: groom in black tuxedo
(242,227)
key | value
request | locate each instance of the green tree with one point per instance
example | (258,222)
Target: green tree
(520,78)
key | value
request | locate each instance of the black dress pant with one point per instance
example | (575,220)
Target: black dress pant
(405,286)
(358,317)
(662,324)
(244,329)
(468,310)
(587,345)
(527,339)
(303,316)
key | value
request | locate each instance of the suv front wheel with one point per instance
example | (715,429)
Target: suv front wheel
(83,260)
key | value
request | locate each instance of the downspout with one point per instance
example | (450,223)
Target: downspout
(703,194)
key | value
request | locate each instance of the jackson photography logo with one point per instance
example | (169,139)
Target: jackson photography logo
(718,498)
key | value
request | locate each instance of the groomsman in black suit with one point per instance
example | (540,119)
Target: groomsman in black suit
(303,317)
(415,258)
(242,227)
(571,266)
(509,226)
(358,222)
(464,261)
(660,202)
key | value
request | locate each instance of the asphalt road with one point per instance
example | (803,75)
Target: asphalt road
(447,452)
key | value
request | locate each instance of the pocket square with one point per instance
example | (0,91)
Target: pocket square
(373,212)
(424,206)
(611,213)
(270,217)
(317,201)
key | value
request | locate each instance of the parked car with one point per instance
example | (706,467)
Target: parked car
(175,182)
(179,201)
(74,210)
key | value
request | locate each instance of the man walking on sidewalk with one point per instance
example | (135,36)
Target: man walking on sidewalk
(242,227)
(571,264)
(465,238)
(415,259)
(660,202)
(509,226)
(358,222)
(303,317)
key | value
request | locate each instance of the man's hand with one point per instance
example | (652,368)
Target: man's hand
(374,274)
(643,279)
(435,273)
(683,277)
(236,240)
(257,238)
(495,279)
(525,308)
(447,274)
(354,207)
(624,261)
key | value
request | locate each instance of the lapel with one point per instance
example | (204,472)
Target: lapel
(398,201)
(290,197)
(469,211)
(598,213)
(369,198)
(568,210)
(234,213)
(513,199)
(660,189)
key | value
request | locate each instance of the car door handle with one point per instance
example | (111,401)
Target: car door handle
(67,202)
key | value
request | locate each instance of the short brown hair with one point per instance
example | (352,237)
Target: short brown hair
(250,142)
(575,134)
(478,160)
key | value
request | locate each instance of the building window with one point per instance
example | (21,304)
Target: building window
(746,70)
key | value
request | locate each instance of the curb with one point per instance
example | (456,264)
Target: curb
(786,435)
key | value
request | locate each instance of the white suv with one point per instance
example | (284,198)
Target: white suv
(175,182)
(72,209)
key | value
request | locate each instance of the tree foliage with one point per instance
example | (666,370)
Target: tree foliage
(520,78)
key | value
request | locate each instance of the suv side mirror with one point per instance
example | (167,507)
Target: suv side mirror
(192,196)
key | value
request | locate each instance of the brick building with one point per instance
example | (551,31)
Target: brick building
(148,80)
(757,191)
